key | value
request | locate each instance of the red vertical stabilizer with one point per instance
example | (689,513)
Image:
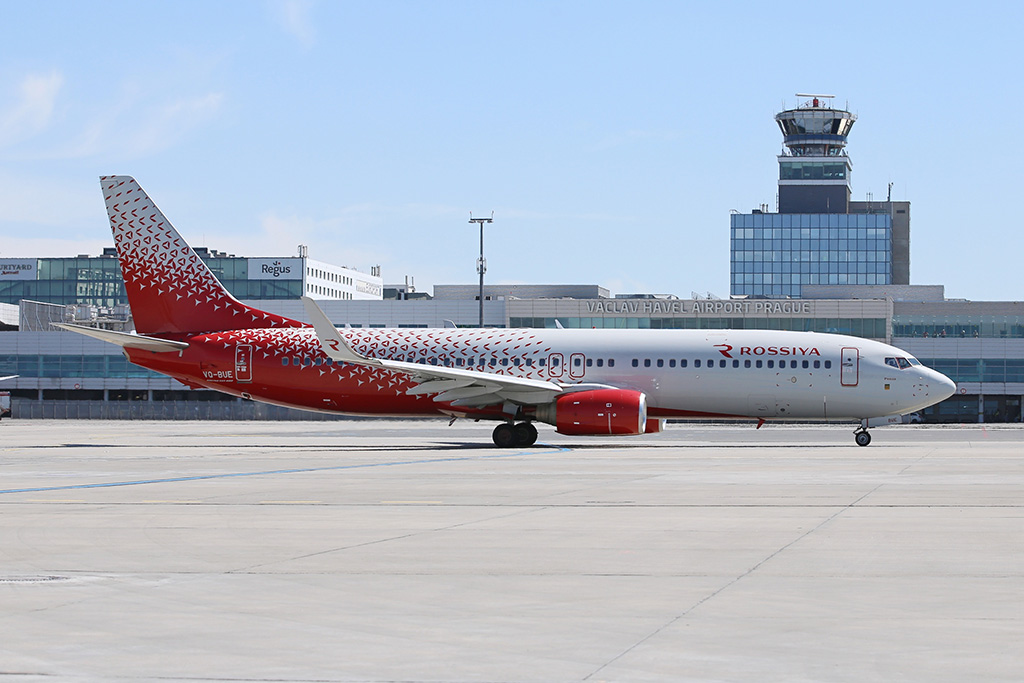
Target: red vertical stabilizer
(170,289)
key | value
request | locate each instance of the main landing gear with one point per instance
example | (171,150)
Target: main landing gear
(861,436)
(507,435)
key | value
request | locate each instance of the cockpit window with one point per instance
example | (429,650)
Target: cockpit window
(904,363)
(892,362)
(914,361)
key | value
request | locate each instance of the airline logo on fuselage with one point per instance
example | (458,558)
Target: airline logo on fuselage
(725,350)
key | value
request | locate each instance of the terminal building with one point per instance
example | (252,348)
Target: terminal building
(822,262)
(96,280)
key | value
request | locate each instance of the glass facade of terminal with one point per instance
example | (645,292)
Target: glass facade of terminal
(872,328)
(97,281)
(984,326)
(108,366)
(773,255)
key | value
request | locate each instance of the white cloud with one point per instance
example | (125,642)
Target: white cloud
(32,109)
(167,124)
(44,201)
(294,18)
(329,240)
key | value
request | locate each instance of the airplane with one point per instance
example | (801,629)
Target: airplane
(7,377)
(584,382)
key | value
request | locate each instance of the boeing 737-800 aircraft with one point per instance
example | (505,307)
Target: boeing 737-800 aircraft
(584,382)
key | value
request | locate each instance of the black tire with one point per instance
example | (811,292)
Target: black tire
(862,438)
(526,434)
(504,435)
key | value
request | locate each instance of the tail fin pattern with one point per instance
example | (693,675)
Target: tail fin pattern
(170,289)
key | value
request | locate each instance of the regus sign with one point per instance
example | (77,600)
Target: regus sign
(275,269)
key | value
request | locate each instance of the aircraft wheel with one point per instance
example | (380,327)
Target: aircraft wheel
(526,434)
(862,438)
(504,435)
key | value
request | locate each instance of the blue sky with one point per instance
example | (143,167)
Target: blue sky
(611,139)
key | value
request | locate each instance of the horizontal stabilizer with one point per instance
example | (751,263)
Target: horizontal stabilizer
(130,341)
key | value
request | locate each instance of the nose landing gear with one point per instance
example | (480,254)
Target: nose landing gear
(862,437)
(508,435)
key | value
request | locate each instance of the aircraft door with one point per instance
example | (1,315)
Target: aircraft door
(555,368)
(243,363)
(577,365)
(849,367)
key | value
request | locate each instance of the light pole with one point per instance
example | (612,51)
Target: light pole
(481,263)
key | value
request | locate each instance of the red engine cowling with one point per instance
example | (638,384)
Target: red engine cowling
(596,412)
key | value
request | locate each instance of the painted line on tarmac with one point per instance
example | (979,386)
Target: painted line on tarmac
(231,475)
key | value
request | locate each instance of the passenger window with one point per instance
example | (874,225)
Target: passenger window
(710,364)
(647,362)
(736,363)
(576,362)
(806,364)
(600,362)
(771,364)
(682,363)
(661,363)
(671,362)
(529,362)
(458,362)
(721,363)
(611,362)
(828,364)
(746,363)
(492,362)
(516,362)
(504,361)
(758,363)
(696,363)
(540,362)
(589,362)
(817,364)
(284,361)
(636,363)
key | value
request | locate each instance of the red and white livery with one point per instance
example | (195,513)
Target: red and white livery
(584,382)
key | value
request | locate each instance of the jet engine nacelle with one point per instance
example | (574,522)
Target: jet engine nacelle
(596,412)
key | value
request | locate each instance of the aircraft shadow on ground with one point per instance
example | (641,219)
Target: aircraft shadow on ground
(449,446)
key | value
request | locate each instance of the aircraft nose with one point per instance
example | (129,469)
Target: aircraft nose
(947,387)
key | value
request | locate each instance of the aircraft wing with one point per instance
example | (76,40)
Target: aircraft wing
(131,341)
(464,388)
(7,377)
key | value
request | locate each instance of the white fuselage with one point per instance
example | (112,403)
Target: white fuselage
(751,373)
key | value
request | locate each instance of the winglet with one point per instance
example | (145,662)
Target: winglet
(333,343)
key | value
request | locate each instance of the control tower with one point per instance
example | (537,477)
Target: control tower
(819,236)
(814,171)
